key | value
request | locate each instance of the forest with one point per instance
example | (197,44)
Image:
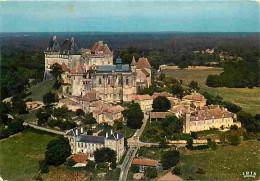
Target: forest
(22,54)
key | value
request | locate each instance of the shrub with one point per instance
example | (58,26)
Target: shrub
(150,173)
(161,104)
(233,127)
(234,140)
(176,171)
(71,162)
(194,135)
(174,156)
(189,143)
(135,168)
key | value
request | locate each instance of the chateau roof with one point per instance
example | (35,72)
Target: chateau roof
(145,72)
(91,139)
(114,68)
(143,63)
(89,96)
(115,136)
(146,162)
(78,69)
(64,67)
(54,45)
(69,46)
(133,61)
(99,46)
(194,97)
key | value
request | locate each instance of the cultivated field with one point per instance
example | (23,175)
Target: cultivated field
(20,154)
(248,99)
(227,162)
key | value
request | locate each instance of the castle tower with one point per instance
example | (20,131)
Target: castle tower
(133,65)
(187,121)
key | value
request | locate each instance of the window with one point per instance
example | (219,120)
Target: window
(100,81)
(120,81)
(109,81)
(126,81)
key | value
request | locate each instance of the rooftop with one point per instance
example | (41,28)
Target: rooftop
(146,162)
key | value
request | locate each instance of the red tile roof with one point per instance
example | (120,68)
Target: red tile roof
(99,46)
(146,162)
(159,115)
(165,94)
(78,69)
(64,67)
(143,97)
(143,63)
(133,61)
(80,158)
(89,96)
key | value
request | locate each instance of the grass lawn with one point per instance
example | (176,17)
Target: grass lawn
(248,99)
(20,154)
(225,163)
(40,89)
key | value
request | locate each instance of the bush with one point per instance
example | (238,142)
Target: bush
(194,135)
(43,166)
(233,127)
(200,171)
(176,171)
(174,156)
(113,165)
(71,162)
(212,144)
(135,168)
(90,167)
(161,104)
(234,140)
(189,143)
(150,173)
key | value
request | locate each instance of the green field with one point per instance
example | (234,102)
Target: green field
(248,99)
(37,91)
(20,154)
(225,163)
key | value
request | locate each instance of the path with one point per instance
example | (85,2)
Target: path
(44,129)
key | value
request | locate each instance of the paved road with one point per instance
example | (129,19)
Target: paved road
(43,128)
(127,162)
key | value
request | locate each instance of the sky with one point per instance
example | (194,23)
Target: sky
(129,16)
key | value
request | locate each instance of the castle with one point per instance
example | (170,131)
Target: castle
(90,74)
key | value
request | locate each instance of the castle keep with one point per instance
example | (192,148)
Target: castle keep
(90,74)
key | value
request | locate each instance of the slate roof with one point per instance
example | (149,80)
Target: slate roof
(69,46)
(113,136)
(91,139)
(143,63)
(133,61)
(54,45)
(114,68)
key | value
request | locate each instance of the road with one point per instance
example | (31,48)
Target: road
(133,144)
(44,129)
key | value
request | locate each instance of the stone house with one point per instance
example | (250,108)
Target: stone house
(81,143)
(145,102)
(146,163)
(196,98)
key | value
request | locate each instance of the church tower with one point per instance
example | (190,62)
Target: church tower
(133,65)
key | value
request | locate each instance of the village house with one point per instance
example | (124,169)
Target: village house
(208,117)
(81,143)
(146,163)
(145,102)
(196,98)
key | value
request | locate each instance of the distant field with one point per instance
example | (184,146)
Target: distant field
(20,154)
(248,99)
(226,163)
(39,90)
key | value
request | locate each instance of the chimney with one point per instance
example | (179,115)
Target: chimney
(106,134)
(81,130)
(77,132)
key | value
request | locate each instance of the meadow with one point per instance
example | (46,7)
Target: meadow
(248,99)
(227,162)
(21,153)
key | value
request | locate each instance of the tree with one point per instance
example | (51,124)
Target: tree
(171,124)
(176,89)
(234,140)
(194,135)
(232,107)
(56,71)
(162,76)
(163,144)
(134,115)
(248,121)
(161,104)
(16,125)
(5,109)
(174,156)
(90,167)
(135,168)
(49,98)
(189,143)
(61,112)
(80,112)
(150,172)
(19,106)
(183,65)
(43,115)
(194,85)
(58,151)
(104,155)
(176,171)
(89,119)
